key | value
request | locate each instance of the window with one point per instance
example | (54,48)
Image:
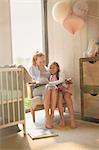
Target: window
(26,27)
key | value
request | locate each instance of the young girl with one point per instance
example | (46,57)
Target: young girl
(57,79)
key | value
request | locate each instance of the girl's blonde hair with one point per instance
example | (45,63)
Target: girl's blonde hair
(35,57)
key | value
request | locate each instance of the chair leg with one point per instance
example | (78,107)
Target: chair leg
(64,108)
(33,114)
(24,129)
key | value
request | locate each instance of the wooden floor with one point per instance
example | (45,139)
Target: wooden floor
(84,137)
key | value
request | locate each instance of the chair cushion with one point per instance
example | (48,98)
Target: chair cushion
(37,100)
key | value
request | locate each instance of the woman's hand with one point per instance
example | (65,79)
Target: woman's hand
(37,82)
(42,82)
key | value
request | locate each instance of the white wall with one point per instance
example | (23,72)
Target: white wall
(93,19)
(67,48)
(63,46)
(5,37)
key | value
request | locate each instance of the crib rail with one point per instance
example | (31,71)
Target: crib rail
(11,96)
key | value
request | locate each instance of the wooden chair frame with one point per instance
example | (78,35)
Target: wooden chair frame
(38,107)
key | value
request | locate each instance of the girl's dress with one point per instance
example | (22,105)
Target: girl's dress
(60,84)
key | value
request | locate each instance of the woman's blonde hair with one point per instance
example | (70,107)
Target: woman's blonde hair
(35,57)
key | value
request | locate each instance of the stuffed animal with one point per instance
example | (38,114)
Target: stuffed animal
(93,48)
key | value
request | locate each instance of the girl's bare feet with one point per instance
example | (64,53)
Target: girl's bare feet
(48,123)
(72,125)
(62,123)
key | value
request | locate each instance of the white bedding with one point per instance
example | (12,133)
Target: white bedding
(10,95)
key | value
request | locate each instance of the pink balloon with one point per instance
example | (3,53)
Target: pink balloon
(73,23)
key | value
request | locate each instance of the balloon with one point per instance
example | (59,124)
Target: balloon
(73,23)
(80,8)
(61,10)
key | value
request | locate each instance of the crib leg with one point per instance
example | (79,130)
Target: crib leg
(24,129)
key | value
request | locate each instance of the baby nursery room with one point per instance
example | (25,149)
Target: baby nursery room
(49,74)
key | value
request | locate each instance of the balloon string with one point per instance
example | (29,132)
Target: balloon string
(73,61)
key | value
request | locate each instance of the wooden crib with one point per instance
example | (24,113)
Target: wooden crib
(12,110)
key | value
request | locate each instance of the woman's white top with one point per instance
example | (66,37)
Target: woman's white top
(39,75)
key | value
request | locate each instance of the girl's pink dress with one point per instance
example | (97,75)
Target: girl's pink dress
(63,87)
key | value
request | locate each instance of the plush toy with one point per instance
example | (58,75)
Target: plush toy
(93,48)
(97,52)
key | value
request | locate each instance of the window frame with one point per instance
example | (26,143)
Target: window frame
(45,29)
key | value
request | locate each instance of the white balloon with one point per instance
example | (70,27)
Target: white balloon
(61,10)
(80,8)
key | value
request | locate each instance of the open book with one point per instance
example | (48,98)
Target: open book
(35,85)
(41,133)
(38,85)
